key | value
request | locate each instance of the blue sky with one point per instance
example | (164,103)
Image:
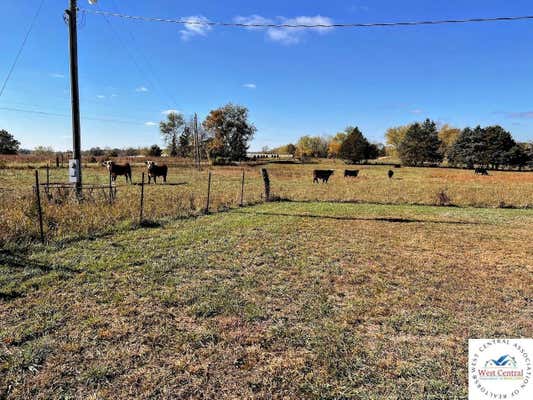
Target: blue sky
(293,82)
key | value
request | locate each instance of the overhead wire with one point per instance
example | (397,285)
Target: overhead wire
(54,114)
(182,21)
(21,48)
(148,63)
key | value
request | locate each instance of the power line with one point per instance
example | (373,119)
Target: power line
(23,44)
(151,77)
(340,25)
(53,114)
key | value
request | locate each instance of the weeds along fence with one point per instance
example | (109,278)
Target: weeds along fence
(106,208)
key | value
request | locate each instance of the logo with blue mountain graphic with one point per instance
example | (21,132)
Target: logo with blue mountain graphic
(505,361)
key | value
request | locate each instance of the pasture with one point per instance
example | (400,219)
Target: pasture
(280,300)
(186,191)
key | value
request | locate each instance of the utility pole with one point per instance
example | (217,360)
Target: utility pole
(75,92)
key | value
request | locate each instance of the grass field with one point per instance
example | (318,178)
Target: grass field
(186,194)
(280,300)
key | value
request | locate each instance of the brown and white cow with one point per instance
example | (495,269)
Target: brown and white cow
(156,170)
(118,169)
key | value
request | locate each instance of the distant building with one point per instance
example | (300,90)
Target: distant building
(259,155)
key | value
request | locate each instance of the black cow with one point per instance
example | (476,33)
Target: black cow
(351,173)
(117,169)
(156,170)
(481,171)
(390,173)
(323,174)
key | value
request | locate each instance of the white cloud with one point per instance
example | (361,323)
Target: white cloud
(253,20)
(166,112)
(195,26)
(114,95)
(57,76)
(150,123)
(289,35)
(142,89)
(250,85)
(416,111)
(100,96)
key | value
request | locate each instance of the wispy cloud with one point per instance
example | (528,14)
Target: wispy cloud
(287,36)
(250,85)
(195,26)
(142,89)
(519,114)
(253,20)
(57,76)
(150,123)
(416,111)
(100,96)
(166,112)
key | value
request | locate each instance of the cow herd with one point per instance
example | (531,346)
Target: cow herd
(153,170)
(324,174)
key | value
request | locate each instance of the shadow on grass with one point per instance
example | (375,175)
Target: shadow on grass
(146,184)
(379,219)
(22,269)
(18,260)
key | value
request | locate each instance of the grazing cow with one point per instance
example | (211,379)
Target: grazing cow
(481,171)
(323,174)
(117,169)
(351,173)
(390,173)
(156,170)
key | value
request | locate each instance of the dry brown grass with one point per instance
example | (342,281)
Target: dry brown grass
(186,195)
(285,300)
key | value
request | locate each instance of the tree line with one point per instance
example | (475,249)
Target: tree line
(349,145)
(419,144)
(422,143)
(224,134)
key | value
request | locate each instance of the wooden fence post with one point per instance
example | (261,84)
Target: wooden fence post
(208,192)
(47,191)
(110,188)
(142,201)
(266,181)
(242,190)
(39,209)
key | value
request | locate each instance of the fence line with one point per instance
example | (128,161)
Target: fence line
(62,216)
(38,203)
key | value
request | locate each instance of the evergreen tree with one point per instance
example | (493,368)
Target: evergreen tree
(8,144)
(356,147)
(491,146)
(421,144)
(463,151)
